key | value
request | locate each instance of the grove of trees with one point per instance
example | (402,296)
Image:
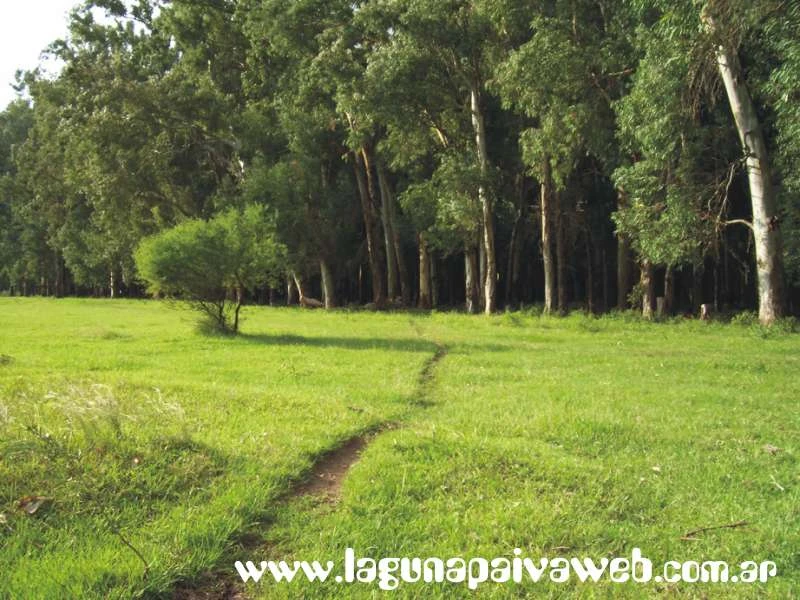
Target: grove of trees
(465,153)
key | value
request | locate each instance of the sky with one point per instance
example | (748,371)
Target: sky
(26,28)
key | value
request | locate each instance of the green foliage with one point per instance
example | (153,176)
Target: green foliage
(213,263)
(168,111)
(20,254)
(781,87)
(670,183)
(446,205)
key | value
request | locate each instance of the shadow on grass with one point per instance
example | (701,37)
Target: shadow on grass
(361,343)
(347,343)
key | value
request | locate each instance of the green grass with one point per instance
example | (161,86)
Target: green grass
(575,437)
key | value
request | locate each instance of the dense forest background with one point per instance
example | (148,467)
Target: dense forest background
(463,153)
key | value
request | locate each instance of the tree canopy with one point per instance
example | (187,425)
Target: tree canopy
(466,153)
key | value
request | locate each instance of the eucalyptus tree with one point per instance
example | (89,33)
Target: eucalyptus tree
(708,40)
(723,21)
(557,78)
(20,252)
(292,77)
(142,138)
(432,73)
(657,127)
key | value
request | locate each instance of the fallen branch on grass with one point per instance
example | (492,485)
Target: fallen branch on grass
(689,537)
(133,549)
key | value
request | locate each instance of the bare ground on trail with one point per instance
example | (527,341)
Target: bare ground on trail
(324,482)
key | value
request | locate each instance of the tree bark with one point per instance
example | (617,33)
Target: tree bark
(698,299)
(291,298)
(589,272)
(471,274)
(300,291)
(669,290)
(481,270)
(113,283)
(59,276)
(605,280)
(434,267)
(512,270)
(392,282)
(239,300)
(561,255)
(424,274)
(490,284)
(328,288)
(370,227)
(546,208)
(391,209)
(765,226)
(648,289)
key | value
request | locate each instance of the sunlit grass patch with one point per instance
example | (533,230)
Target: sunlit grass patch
(154,448)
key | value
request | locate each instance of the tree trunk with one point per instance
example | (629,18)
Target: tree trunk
(561,255)
(328,289)
(291,297)
(648,289)
(623,263)
(765,226)
(546,208)
(239,299)
(390,208)
(59,276)
(434,279)
(301,292)
(471,273)
(363,177)
(669,290)
(698,299)
(589,273)
(490,284)
(605,280)
(481,270)
(392,283)
(512,270)
(424,274)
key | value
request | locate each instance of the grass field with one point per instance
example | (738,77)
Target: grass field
(160,450)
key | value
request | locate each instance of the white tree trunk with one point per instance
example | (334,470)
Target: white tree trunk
(327,285)
(299,284)
(490,283)
(546,208)
(648,289)
(769,259)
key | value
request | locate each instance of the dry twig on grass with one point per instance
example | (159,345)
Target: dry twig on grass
(690,536)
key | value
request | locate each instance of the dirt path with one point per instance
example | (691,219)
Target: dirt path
(324,481)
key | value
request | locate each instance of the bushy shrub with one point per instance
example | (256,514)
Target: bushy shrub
(211,264)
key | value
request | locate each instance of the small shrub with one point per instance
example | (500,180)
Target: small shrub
(745,319)
(211,264)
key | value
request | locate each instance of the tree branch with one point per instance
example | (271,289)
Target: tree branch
(739,222)
(690,535)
